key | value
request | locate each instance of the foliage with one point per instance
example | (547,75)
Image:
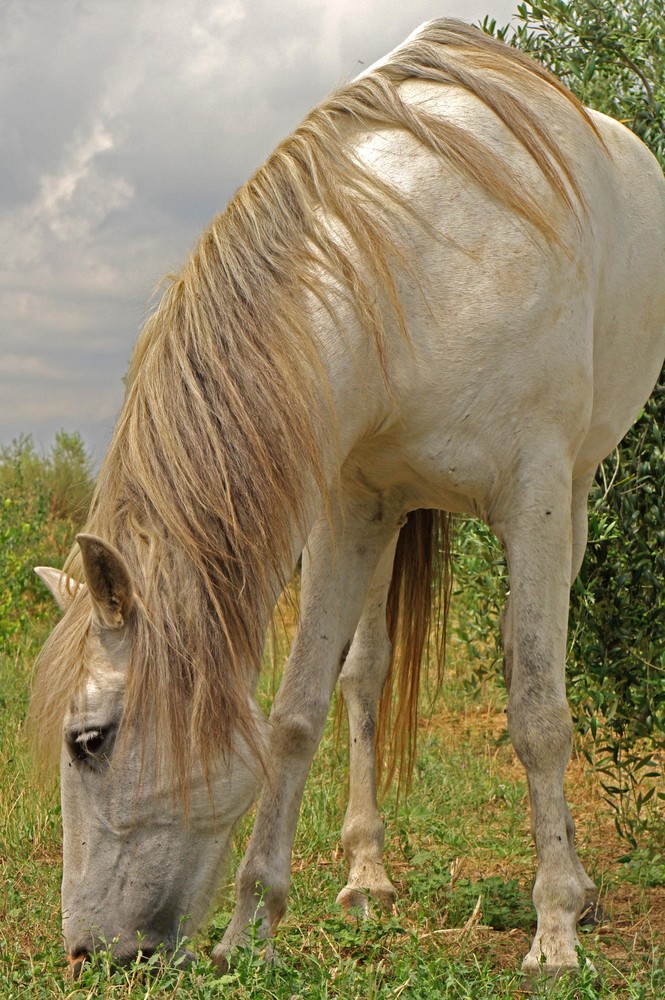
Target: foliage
(617,658)
(480,589)
(42,500)
(70,478)
(612,55)
(65,474)
(23,521)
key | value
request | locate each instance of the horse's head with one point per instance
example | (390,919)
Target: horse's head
(139,868)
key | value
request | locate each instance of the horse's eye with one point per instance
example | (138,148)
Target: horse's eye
(87,744)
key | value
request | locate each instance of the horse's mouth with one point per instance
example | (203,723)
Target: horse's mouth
(75,961)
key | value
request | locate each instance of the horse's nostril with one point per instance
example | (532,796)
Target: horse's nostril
(76,960)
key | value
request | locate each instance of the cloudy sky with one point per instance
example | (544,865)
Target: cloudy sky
(125,125)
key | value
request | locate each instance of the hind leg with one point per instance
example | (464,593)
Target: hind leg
(362,681)
(579,516)
(536,525)
(580,492)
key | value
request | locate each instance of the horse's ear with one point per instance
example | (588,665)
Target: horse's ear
(62,587)
(108,579)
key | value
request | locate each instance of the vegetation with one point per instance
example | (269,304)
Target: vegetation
(41,500)
(459,850)
(460,855)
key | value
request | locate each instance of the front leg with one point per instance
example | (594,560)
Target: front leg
(338,565)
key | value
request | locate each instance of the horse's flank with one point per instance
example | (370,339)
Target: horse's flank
(219,443)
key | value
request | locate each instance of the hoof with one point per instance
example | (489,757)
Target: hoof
(356,897)
(353,899)
(386,898)
(222,958)
(539,970)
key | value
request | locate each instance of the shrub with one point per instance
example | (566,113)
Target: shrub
(23,520)
(42,502)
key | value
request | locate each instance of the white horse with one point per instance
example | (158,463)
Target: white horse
(446,291)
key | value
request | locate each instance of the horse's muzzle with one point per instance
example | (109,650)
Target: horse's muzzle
(75,960)
(123,957)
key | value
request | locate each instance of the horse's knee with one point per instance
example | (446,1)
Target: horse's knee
(296,725)
(294,733)
(266,884)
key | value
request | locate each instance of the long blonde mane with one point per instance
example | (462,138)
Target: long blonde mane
(219,437)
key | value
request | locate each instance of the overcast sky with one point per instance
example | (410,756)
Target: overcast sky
(125,125)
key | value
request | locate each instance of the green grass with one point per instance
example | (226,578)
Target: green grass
(463,834)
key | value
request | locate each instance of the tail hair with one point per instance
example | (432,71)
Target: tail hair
(417,619)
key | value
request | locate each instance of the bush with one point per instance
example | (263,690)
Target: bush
(42,502)
(612,55)
(23,520)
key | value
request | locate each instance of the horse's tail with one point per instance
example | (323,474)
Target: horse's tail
(417,616)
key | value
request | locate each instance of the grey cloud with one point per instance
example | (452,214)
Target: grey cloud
(126,125)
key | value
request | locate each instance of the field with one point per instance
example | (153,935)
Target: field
(458,849)
(459,853)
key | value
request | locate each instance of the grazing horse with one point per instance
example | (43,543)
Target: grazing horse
(444,292)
